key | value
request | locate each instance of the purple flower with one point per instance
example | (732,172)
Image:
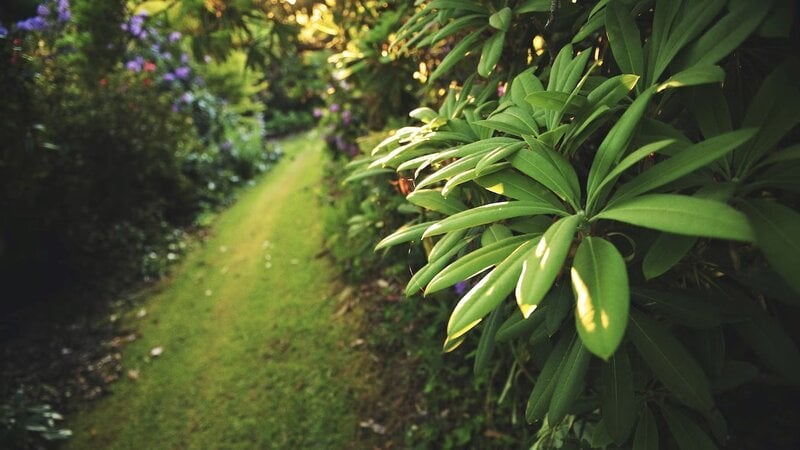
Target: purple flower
(334,108)
(461,288)
(184,58)
(317,113)
(169,76)
(3,31)
(187,97)
(175,36)
(32,24)
(501,90)
(135,65)
(42,11)
(227,146)
(183,72)
(64,13)
(166,55)
(347,117)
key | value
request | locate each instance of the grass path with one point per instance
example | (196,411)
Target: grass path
(252,356)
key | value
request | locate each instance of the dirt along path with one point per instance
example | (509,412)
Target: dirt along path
(251,355)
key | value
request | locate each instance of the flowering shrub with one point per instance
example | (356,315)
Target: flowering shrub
(99,173)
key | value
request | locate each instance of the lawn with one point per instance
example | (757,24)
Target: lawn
(252,357)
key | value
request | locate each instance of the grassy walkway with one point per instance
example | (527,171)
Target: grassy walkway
(252,357)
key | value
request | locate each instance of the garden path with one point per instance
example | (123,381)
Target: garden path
(252,356)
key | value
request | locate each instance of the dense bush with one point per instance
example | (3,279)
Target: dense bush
(628,185)
(100,168)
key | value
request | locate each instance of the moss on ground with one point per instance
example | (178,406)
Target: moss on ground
(252,355)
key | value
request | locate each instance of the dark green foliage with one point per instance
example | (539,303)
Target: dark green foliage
(642,163)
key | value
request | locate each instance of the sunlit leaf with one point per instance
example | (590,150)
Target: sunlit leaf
(600,285)
(493,212)
(488,293)
(475,262)
(543,265)
(404,234)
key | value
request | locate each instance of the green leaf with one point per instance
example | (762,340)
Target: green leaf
(611,91)
(494,234)
(543,265)
(726,34)
(696,16)
(545,385)
(571,374)
(446,243)
(493,212)
(488,293)
(501,20)
(523,85)
(616,142)
(513,120)
(517,326)
(529,6)
(646,436)
(485,350)
(404,234)
(623,35)
(492,50)
(475,262)
(667,250)
(551,170)
(710,108)
(456,54)
(499,154)
(683,163)
(633,158)
(423,114)
(555,101)
(617,402)
(685,430)
(776,228)
(770,342)
(361,174)
(600,285)
(694,76)
(692,312)
(681,214)
(559,301)
(512,184)
(670,362)
(433,200)
(450,170)
(428,271)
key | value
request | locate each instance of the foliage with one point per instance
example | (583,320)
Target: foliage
(627,189)
(19,420)
(100,172)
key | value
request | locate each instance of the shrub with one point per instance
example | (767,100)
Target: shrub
(626,185)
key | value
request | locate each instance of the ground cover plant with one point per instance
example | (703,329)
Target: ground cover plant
(626,184)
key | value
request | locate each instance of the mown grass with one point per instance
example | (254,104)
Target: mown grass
(252,357)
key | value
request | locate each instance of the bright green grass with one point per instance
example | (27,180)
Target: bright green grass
(253,358)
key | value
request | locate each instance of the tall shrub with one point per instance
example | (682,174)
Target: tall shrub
(621,197)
